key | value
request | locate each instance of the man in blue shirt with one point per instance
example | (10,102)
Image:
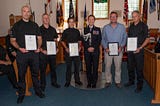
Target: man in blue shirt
(111,33)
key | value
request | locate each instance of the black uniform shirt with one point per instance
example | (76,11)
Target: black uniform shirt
(22,28)
(48,34)
(71,35)
(140,31)
(2,54)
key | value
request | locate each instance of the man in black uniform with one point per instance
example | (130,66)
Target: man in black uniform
(24,57)
(6,67)
(48,34)
(71,35)
(136,59)
(91,42)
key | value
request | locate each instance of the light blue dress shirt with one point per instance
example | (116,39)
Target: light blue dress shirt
(117,34)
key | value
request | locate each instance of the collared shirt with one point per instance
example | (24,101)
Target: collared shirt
(140,31)
(117,34)
(48,34)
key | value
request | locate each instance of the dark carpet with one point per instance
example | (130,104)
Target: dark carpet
(71,96)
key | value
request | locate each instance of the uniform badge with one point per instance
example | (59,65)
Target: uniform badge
(95,32)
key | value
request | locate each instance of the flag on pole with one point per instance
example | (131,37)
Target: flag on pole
(125,12)
(59,15)
(152,6)
(71,9)
(145,11)
(85,16)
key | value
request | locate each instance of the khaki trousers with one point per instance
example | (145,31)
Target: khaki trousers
(108,63)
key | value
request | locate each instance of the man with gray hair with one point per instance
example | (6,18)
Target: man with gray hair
(137,30)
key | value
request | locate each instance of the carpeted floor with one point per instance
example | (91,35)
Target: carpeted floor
(71,96)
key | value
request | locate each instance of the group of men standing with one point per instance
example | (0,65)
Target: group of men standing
(112,32)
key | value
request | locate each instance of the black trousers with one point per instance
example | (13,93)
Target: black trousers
(136,64)
(9,71)
(76,62)
(44,59)
(92,60)
(30,59)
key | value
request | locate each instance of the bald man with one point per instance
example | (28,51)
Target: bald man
(26,57)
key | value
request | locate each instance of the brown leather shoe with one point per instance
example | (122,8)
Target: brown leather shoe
(108,84)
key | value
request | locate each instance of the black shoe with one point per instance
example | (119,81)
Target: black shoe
(20,99)
(118,85)
(94,86)
(55,85)
(40,95)
(108,84)
(15,86)
(89,86)
(67,85)
(79,83)
(128,84)
(43,89)
(139,88)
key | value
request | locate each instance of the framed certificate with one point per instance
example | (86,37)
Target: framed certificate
(113,48)
(73,49)
(132,44)
(30,42)
(51,48)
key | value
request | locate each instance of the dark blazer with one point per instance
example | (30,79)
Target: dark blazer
(95,39)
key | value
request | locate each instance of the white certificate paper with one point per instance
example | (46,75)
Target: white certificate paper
(73,49)
(132,44)
(30,42)
(51,48)
(113,48)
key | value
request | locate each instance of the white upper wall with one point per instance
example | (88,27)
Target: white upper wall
(8,7)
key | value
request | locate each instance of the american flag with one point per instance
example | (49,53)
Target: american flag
(125,12)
